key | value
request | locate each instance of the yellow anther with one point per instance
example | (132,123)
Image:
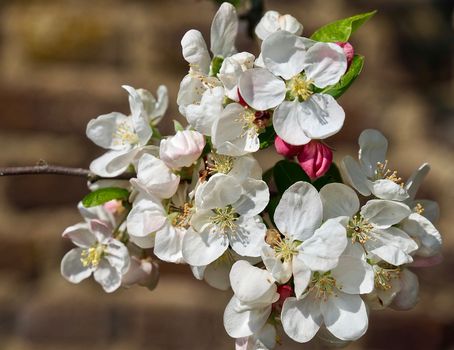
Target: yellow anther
(93,255)
(183,215)
(358,229)
(382,172)
(323,284)
(124,134)
(383,277)
(419,208)
(285,249)
(225,219)
(299,87)
(219,163)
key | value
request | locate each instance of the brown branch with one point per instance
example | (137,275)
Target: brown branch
(46,169)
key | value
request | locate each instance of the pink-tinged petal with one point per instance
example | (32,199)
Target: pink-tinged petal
(301,319)
(349,51)
(286,149)
(315,158)
(261,89)
(427,262)
(101,229)
(144,272)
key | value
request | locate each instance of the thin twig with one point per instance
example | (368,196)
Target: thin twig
(46,169)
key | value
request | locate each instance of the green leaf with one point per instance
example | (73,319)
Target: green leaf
(344,83)
(177,126)
(331,176)
(104,195)
(267,138)
(286,173)
(342,29)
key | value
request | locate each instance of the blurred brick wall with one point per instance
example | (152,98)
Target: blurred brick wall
(62,63)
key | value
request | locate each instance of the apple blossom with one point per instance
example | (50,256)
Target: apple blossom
(182,149)
(272,21)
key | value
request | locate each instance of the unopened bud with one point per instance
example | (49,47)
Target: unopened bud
(315,158)
(349,51)
(286,149)
(182,149)
(144,272)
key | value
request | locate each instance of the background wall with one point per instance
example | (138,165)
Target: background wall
(62,63)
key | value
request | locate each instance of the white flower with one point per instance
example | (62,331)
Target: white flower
(373,226)
(250,307)
(151,224)
(332,299)
(155,178)
(123,136)
(231,70)
(371,175)
(97,252)
(154,108)
(226,214)
(201,95)
(273,21)
(307,245)
(182,149)
(395,287)
(303,64)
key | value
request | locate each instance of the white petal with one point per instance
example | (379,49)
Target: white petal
(414,181)
(217,275)
(231,70)
(254,198)
(260,89)
(252,284)
(71,267)
(223,30)
(387,189)
(248,238)
(246,167)
(202,116)
(355,175)
(139,116)
(202,248)
(195,51)
(392,245)
(321,116)
(384,213)
(102,130)
(112,163)
(408,295)
(325,64)
(287,121)
(353,275)
(220,190)
(101,229)
(301,276)
(107,276)
(284,53)
(301,319)
(145,242)
(80,235)
(190,91)
(268,25)
(117,255)
(322,250)
(425,232)
(345,316)
(338,200)
(169,243)
(281,271)
(299,212)
(373,146)
(146,216)
(240,322)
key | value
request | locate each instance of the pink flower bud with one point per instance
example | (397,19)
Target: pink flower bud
(114,207)
(348,50)
(182,149)
(286,149)
(284,291)
(315,158)
(144,272)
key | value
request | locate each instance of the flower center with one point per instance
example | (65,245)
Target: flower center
(93,255)
(124,134)
(219,163)
(358,229)
(419,209)
(285,249)
(323,284)
(299,88)
(180,216)
(224,218)
(382,172)
(384,275)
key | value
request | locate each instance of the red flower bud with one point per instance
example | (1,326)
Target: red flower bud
(348,50)
(284,291)
(315,158)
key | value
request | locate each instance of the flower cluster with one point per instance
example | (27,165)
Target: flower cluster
(306,256)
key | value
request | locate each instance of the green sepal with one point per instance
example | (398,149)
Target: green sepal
(104,195)
(341,30)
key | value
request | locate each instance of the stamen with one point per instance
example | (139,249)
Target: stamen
(124,134)
(183,215)
(285,249)
(383,276)
(299,88)
(324,285)
(419,208)
(224,218)
(219,163)
(358,229)
(93,255)
(382,172)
